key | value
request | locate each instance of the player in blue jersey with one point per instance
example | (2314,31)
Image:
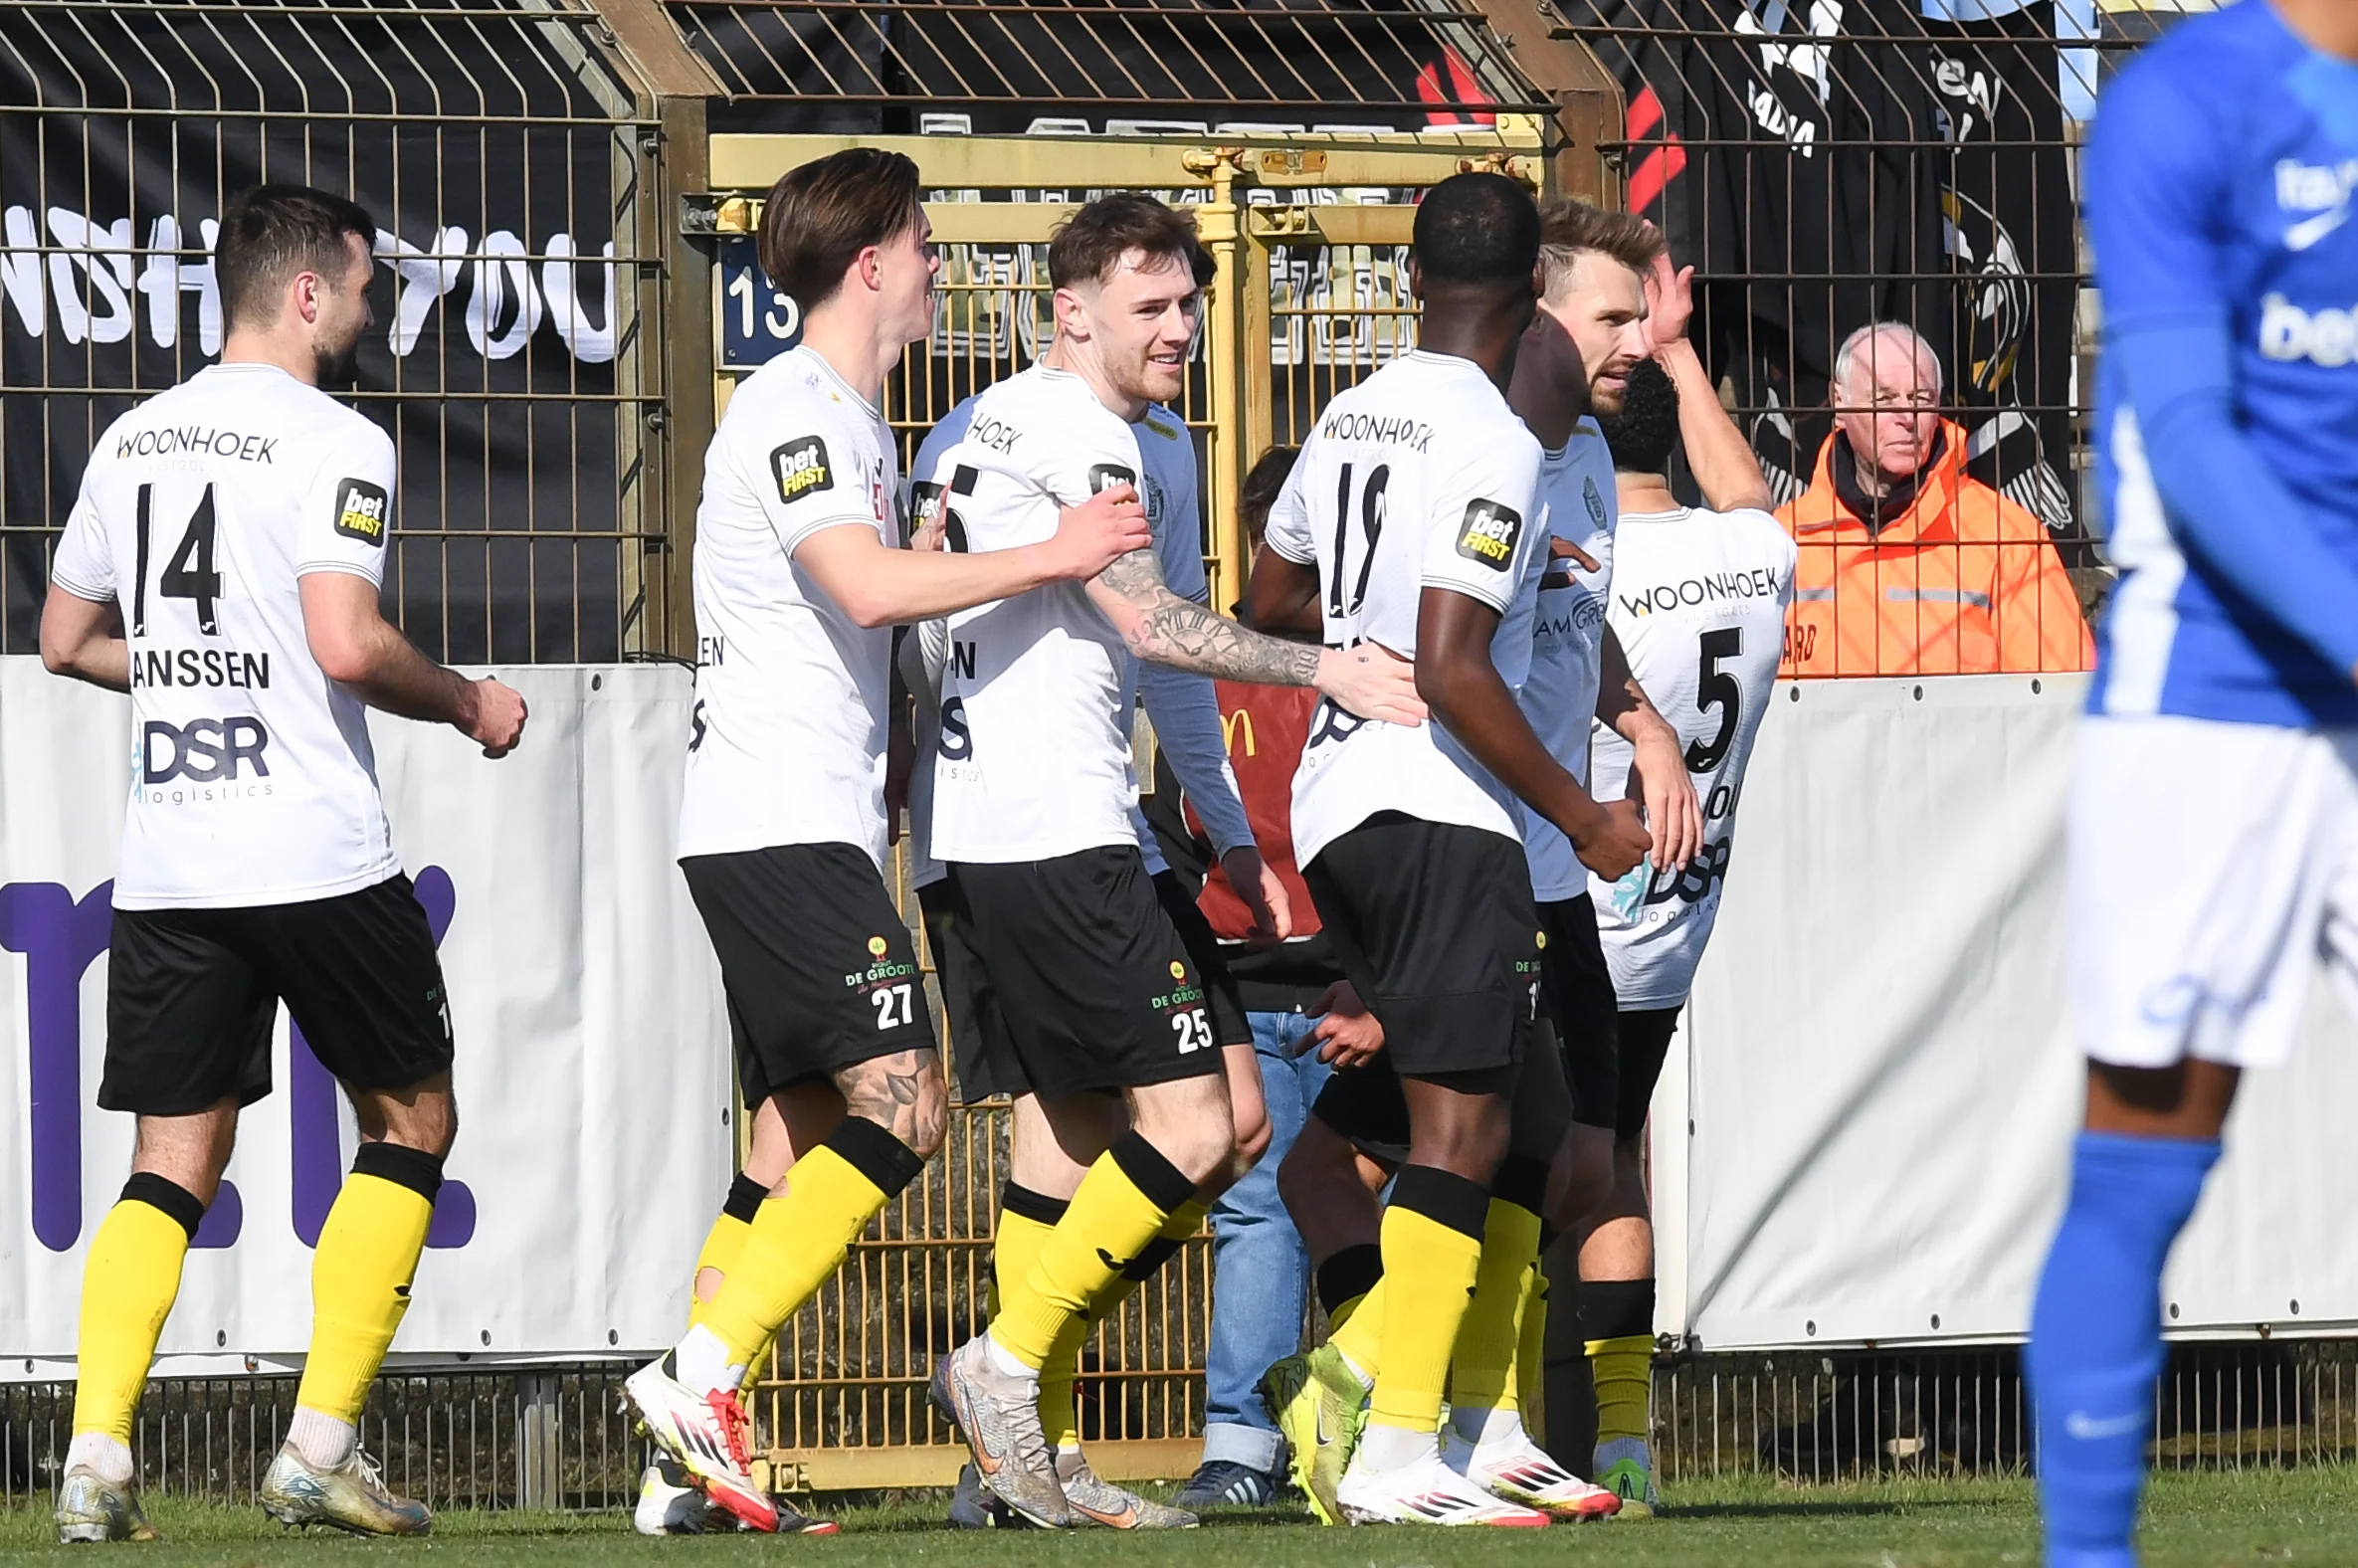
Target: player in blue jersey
(2214,830)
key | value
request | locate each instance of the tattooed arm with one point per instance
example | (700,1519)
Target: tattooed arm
(1161,626)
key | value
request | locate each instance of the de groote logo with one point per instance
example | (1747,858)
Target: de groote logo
(60,937)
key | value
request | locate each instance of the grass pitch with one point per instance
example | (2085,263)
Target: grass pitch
(2193,1521)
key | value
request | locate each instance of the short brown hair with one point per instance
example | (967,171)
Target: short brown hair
(1090,245)
(271,233)
(821,215)
(1567,228)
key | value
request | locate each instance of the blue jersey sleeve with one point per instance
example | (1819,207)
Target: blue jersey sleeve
(2157,210)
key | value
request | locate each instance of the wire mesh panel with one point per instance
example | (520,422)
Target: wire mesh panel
(1826,164)
(510,166)
(836,65)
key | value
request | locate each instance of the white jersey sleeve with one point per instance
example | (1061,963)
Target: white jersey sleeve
(812,479)
(1287,529)
(1480,533)
(83,566)
(346,518)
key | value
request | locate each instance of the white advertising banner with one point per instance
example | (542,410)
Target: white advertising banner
(592,1074)
(1878,1087)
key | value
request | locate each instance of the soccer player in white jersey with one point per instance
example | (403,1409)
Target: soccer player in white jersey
(1044,1172)
(222,564)
(1095,994)
(1413,520)
(799,575)
(1588,334)
(1697,605)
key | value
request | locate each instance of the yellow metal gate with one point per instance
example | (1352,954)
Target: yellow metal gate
(1310,234)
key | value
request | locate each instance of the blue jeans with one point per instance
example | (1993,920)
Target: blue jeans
(1261,1273)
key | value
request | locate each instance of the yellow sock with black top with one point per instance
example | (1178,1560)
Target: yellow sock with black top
(130,1281)
(798,1241)
(1431,1241)
(1344,1281)
(1361,1333)
(1617,1322)
(1124,1201)
(726,1238)
(1026,1220)
(361,1273)
(1059,1417)
(1481,1367)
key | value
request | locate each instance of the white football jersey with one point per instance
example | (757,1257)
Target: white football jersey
(252,777)
(1576,502)
(787,741)
(1698,601)
(1169,491)
(1034,756)
(1418,476)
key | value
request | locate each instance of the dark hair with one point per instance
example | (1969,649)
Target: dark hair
(1090,245)
(1264,482)
(822,214)
(1480,230)
(1646,431)
(1567,228)
(271,233)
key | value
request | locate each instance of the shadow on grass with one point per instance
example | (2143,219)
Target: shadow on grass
(1828,1509)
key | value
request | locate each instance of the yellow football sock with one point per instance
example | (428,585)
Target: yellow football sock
(1624,1372)
(1359,1330)
(797,1240)
(128,1283)
(1122,1205)
(726,1238)
(1013,1252)
(1431,1253)
(361,1274)
(1529,1387)
(1483,1364)
(1059,1417)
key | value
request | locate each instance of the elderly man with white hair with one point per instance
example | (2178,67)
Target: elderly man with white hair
(1908,564)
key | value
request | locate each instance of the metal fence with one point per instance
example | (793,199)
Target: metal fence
(559,1437)
(512,163)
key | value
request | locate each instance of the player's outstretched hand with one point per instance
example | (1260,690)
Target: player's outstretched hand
(495,716)
(1612,840)
(1348,1036)
(1672,815)
(1264,895)
(1371,682)
(1669,302)
(1099,532)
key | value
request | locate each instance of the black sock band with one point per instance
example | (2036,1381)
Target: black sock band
(1615,1308)
(401,1165)
(876,1155)
(744,1197)
(1152,1256)
(1522,1180)
(162,1192)
(1348,1276)
(1443,1196)
(1038,1207)
(1163,1183)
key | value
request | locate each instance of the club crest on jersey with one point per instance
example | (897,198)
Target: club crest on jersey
(1104,477)
(1490,534)
(801,467)
(1596,502)
(360,511)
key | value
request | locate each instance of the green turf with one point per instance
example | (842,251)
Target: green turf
(2196,1521)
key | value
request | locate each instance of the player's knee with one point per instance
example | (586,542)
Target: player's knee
(911,1104)
(1581,1180)
(1250,1143)
(1309,1170)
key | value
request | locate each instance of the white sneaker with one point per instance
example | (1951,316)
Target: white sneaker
(704,1433)
(1520,1471)
(1426,1492)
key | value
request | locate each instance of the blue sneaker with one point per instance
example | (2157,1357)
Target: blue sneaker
(1228,1484)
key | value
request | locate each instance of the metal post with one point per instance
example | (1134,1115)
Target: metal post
(1219,223)
(539,1442)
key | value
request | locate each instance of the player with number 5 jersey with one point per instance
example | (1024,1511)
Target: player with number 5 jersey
(223,564)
